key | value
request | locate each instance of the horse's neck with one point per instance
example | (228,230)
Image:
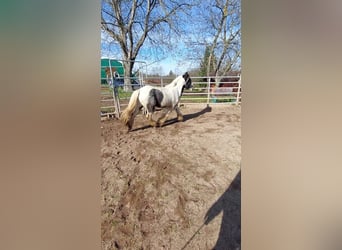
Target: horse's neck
(178,86)
(172,84)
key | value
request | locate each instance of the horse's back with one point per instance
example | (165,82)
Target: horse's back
(167,96)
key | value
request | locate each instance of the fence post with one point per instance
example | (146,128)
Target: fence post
(115,92)
(111,71)
(208,98)
(238,92)
(161,82)
(116,101)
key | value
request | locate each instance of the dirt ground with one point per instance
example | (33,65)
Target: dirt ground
(174,187)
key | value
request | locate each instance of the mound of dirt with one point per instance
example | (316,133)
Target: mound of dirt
(174,187)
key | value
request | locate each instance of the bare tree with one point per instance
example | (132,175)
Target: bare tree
(133,22)
(226,47)
(218,33)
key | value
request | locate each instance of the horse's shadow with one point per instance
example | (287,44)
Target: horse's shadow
(185,118)
(230,204)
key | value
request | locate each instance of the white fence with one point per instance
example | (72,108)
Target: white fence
(204,91)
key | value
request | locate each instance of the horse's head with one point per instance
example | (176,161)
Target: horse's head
(187,79)
(181,82)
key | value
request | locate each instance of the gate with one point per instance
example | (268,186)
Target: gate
(113,83)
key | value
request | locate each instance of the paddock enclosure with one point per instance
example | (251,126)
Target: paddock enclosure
(224,90)
(176,186)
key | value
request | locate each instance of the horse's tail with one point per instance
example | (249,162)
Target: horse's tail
(132,105)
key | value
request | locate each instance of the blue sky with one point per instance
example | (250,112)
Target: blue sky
(168,63)
(172,62)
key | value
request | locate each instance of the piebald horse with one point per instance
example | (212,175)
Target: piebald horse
(150,97)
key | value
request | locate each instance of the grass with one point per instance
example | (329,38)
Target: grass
(106,90)
(124,94)
(107,109)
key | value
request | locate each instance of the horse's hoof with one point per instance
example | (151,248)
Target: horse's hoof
(153,124)
(180,118)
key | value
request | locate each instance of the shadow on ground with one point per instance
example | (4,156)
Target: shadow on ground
(189,116)
(174,120)
(230,204)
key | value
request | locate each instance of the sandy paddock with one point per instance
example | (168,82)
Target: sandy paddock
(174,187)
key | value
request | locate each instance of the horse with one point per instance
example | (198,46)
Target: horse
(149,98)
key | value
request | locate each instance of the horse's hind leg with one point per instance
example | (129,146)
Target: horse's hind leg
(149,111)
(152,122)
(179,114)
(164,117)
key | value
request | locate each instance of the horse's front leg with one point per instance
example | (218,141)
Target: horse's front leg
(164,117)
(179,114)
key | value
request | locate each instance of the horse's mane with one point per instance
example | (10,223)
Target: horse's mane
(174,82)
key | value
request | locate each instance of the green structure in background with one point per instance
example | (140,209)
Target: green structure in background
(106,62)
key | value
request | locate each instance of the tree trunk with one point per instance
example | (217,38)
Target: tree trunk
(128,67)
(217,80)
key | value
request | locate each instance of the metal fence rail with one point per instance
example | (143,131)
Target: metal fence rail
(204,91)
